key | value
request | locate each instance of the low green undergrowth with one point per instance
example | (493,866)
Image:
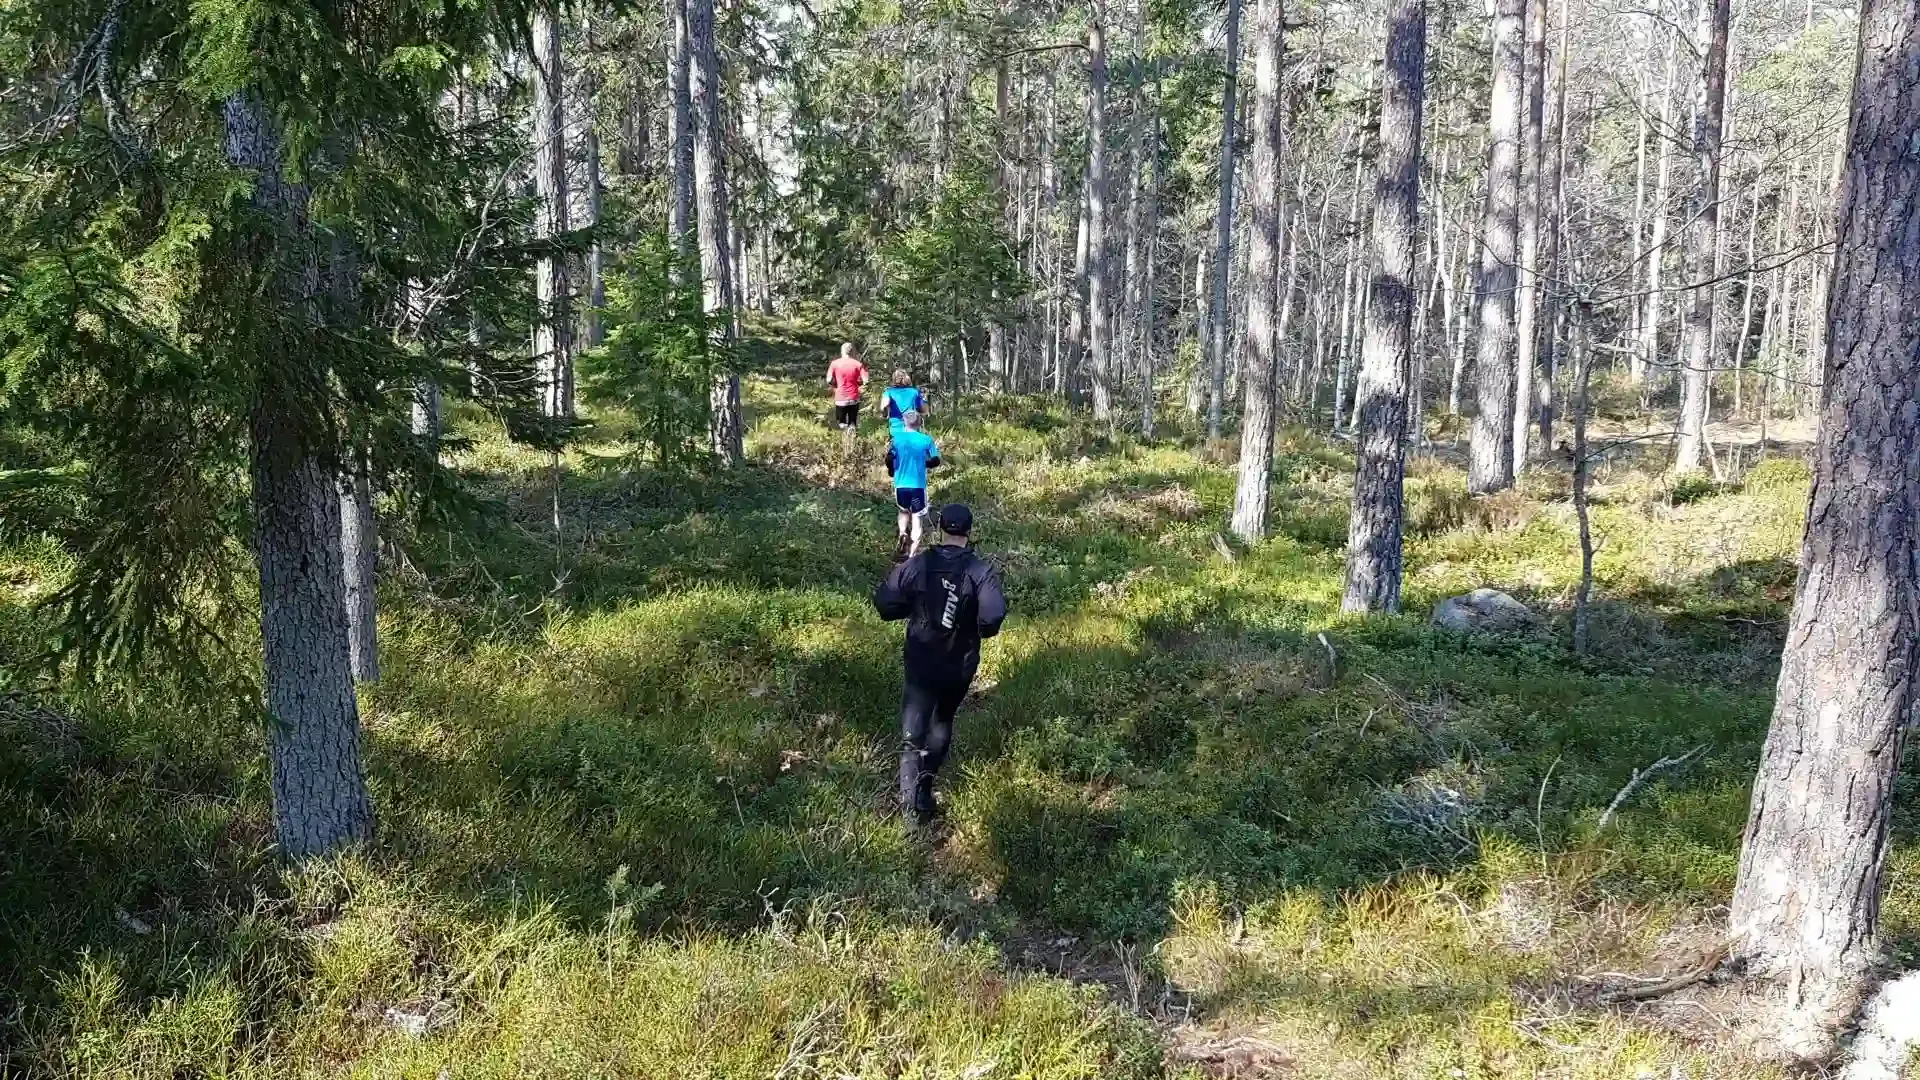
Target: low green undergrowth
(633,784)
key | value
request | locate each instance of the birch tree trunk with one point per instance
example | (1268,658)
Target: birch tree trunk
(1216,345)
(1099,261)
(1703,236)
(1636,360)
(1806,907)
(1648,354)
(1266,207)
(1374,556)
(320,799)
(553,332)
(1490,454)
(710,202)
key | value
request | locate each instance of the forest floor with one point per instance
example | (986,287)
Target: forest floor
(633,787)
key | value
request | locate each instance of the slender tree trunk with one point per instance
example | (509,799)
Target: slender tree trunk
(424,421)
(1806,907)
(1216,345)
(996,329)
(1554,209)
(1582,472)
(320,799)
(1289,285)
(359,564)
(1267,208)
(710,202)
(1464,312)
(1746,304)
(1099,262)
(1490,459)
(1649,354)
(680,128)
(1527,315)
(1636,358)
(1202,330)
(1352,282)
(596,280)
(1307,389)
(553,333)
(1374,557)
(1148,307)
(1703,236)
(1076,340)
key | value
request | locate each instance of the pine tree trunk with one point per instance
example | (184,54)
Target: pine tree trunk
(320,799)
(1490,458)
(1806,908)
(1703,236)
(553,332)
(680,128)
(1648,355)
(1374,557)
(359,562)
(1099,304)
(1214,347)
(1527,314)
(710,203)
(1267,209)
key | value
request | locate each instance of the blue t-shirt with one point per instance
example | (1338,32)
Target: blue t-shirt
(899,400)
(911,452)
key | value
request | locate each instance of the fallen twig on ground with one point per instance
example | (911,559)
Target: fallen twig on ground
(1640,776)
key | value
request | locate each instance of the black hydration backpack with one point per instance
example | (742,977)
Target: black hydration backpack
(947,605)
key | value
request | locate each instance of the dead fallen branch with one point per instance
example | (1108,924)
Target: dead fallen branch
(1640,777)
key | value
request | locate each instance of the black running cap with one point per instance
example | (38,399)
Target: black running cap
(956,519)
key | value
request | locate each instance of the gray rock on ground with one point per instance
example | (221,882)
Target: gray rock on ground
(1485,611)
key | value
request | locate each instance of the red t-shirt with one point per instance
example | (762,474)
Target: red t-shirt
(848,376)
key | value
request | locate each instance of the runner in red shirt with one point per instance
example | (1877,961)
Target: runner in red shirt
(848,378)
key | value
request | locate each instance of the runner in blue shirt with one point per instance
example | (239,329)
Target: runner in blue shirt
(897,401)
(913,453)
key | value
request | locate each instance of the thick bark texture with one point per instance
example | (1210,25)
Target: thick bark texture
(1490,457)
(679,127)
(320,799)
(1259,361)
(1374,556)
(710,202)
(1099,259)
(1215,344)
(1703,236)
(1806,908)
(553,332)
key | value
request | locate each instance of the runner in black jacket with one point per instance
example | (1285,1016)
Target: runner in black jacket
(951,599)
